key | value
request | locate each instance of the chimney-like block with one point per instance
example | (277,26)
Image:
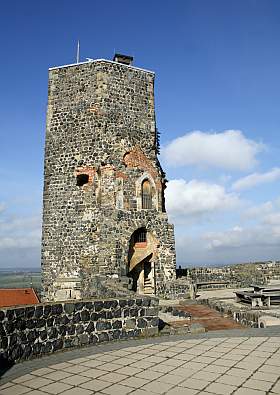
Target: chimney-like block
(124,59)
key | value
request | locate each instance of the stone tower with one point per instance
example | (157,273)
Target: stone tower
(104,212)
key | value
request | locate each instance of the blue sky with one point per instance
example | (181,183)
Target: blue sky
(217,104)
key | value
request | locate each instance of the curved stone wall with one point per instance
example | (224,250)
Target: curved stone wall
(31,331)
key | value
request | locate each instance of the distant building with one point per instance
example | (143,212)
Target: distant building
(18,296)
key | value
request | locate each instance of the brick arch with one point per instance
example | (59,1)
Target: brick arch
(135,158)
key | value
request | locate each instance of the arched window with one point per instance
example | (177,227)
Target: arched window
(146,193)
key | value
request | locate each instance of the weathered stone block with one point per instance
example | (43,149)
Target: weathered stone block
(133,312)
(9,327)
(69,308)
(109,315)
(90,327)
(13,339)
(141,323)
(130,323)
(20,324)
(103,337)
(116,334)
(57,309)
(50,322)
(117,324)
(103,325)
(57,344)
(89,305)
(47,348)
(15,352)
(79,306)
(84,339)
(147,332)
(47,310)
(52,333)
(27,351)
(123,303)
(31,323)
(64,319)
(37,348)
(38,311)
(2,330)
(23,338)
(76,318)
(43,335)
(146,302)
(117,313)
(98,306)
(20,313)
(151,311)
(40,323)
(3,342)
(79,329)
(85,316)
(93,338)
(71,329)
(62,330)
(68,343)
(29,312)
(33,334)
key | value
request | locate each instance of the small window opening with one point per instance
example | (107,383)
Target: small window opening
(140,236)
(82,179)
(146,195)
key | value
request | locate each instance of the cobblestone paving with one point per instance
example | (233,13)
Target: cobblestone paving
(240,362)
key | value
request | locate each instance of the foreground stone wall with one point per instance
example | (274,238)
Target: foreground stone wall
(31,331)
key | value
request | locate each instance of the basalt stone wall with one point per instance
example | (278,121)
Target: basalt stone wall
(245,316)
(32,331)
(177,289)
(101,144)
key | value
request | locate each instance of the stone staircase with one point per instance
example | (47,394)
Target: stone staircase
(148,287)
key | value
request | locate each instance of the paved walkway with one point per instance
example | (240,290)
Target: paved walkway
(229,362)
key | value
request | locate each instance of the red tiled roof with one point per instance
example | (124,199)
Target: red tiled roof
(17,296)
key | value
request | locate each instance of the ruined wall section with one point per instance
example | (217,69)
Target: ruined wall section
(100,124)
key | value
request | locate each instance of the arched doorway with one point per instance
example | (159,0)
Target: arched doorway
(141,262)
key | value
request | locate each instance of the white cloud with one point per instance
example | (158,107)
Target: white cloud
(196,198)
(272,219)
(238,237)
(256,179)
(245,242)
(257,212)
(227,150)
(30,241)
(20,233)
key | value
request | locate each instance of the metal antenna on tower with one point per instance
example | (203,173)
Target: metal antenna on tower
(78,52)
